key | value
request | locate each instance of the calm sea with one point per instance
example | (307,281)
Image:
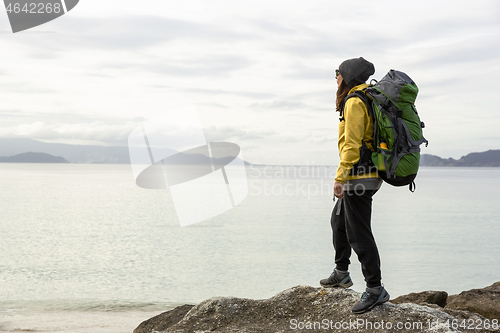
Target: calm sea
(83,249)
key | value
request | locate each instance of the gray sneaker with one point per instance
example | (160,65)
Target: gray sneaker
(336,281)
(370,300)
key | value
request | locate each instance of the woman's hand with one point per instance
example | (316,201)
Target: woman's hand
(338,190)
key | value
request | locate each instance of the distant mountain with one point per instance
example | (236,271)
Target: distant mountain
(490,158)
(33,158)
(120,155)
(95,153)
(73,153)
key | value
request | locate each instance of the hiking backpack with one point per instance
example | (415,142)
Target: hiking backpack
(397,129)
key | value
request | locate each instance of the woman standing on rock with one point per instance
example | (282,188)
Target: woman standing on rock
(356,182)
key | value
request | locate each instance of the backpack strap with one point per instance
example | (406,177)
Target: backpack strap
(386,161)
(358,93)
(361,94)
(410,140)
(412,146)
(342,107)
(365,162)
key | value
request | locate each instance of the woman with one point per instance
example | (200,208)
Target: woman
(356,182)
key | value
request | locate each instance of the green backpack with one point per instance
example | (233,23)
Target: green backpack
(397,127)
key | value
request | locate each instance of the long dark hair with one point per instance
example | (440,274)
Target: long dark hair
(342,92)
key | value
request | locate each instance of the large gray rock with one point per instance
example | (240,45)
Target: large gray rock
(485,302)
(438,300)
(165,320)
(299,309)
(424,298)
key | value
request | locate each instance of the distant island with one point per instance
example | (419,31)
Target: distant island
(86,154)
(33,158)
(490,158)
(12,150)
(22,150)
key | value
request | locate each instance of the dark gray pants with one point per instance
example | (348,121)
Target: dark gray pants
(352,229)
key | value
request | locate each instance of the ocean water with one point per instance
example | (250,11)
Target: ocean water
(83,249)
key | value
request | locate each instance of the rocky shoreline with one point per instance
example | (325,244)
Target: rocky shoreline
(310,309)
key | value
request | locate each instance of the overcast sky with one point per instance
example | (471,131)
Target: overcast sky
(260,72)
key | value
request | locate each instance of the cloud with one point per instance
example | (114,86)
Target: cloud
(326,96)
(302,71)
(278,105)
(54,117)
(24,88)
(231,133)
(211,65)
(96,131)
(214,92)
(474,49)
(267,27)
(131,32)
(13,113)
(30,129)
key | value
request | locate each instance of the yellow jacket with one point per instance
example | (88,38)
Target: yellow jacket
(357,127)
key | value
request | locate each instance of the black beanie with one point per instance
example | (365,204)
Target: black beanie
(356,71)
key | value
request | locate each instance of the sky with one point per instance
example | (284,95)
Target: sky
(261,73)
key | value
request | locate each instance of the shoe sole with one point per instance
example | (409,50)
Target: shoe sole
(336,285)
(382,301)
